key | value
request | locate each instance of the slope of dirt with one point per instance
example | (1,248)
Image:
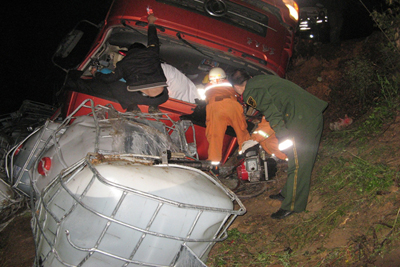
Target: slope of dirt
(363,230)
(319,70)
(356,230)
(16,242)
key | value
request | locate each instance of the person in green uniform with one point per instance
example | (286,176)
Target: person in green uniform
(295,115)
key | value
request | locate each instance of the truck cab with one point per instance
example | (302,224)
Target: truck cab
(195,36)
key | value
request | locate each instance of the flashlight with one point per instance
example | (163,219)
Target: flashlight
(149,10)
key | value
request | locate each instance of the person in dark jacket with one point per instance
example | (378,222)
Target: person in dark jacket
(141,69)
(294,115)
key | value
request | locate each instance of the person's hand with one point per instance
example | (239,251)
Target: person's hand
(247,144)
(151,19)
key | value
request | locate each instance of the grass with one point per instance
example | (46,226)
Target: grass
(350,178)
(350,186)
(355,173)
(237,251)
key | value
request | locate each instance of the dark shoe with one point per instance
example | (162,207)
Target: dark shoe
(280,214)
(133,109)
(278,196)
(154,109)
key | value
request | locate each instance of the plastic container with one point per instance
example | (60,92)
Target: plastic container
(116,212)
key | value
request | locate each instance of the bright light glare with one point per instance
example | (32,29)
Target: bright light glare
(285,145)
(202,92)
(293,9)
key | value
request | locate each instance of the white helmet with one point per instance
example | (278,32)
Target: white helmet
(216,74)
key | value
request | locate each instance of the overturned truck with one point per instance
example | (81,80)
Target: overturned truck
(114,188)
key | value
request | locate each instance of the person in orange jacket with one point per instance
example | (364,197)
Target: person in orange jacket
(222,110)
(265,136)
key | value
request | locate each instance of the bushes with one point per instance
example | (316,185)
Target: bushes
(360,76)
(389,22)
(373,76)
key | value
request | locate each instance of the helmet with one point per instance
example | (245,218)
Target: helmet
(216,74)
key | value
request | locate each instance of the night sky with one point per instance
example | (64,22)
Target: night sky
(31,32)
(33,29)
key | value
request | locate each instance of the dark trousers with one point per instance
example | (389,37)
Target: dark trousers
(116,90)
(126,99)
(301,162)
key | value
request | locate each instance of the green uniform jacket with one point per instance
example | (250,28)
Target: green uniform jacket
(284,104)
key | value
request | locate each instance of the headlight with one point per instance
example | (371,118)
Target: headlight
(293,9)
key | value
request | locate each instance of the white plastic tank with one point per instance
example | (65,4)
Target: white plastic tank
(114,136)
(25,155)
(107,212)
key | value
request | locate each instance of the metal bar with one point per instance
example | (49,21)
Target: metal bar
(18,180)
(93,250)
(159,206)
(96,245)
(173,203)
(180,205)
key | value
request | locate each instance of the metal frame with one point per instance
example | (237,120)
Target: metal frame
(69,174)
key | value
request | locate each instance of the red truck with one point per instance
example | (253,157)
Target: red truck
(110,188)
(194,36)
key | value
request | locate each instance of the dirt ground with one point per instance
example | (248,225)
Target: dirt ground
(319,73)
(16,243)
(353,227)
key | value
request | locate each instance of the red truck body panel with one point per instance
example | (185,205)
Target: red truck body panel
(258,35)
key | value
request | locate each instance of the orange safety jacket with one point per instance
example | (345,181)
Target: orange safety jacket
(269,144)
(223,110)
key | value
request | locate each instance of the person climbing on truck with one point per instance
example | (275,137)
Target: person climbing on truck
(141,68)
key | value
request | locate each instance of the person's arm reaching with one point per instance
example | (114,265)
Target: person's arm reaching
(152,38)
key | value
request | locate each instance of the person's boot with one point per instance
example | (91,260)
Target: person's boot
(278,196)
(154,109)
(281,214)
